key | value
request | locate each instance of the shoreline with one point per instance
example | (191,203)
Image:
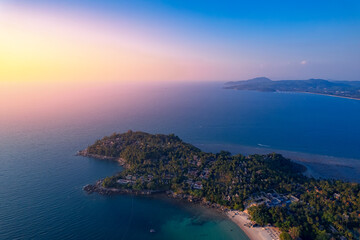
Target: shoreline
(323,94)
(240,218)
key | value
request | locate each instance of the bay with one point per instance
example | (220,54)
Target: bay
(41,128)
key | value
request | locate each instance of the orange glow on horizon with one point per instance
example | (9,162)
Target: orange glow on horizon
(46,47)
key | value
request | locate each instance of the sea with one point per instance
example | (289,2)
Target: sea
(43,125)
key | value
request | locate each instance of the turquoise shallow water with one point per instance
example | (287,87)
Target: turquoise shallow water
(41,179)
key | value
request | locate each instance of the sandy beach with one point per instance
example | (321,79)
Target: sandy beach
(254,233)
(323,94)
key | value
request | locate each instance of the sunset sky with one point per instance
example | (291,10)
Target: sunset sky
(78,40)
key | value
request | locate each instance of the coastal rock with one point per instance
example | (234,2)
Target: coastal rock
(89,188)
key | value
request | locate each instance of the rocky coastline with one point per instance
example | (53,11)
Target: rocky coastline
(98,188)
(85,153)
(252,233)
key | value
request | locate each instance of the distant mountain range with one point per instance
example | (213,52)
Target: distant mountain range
(349,89)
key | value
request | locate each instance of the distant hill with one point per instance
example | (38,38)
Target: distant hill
(350,89)
(253,80)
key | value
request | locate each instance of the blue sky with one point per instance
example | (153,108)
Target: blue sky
(278,39)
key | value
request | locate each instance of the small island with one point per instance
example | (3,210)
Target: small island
(270,188)
(346,89)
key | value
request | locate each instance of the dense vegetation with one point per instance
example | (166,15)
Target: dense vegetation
(320,86)
(322,208)
(326,206)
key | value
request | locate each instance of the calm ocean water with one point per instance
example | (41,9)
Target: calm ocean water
(41,179)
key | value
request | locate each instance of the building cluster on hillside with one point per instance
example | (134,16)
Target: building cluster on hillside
(271,199)
(133,178)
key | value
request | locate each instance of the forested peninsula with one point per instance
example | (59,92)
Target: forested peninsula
(346,89)
(271,188)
